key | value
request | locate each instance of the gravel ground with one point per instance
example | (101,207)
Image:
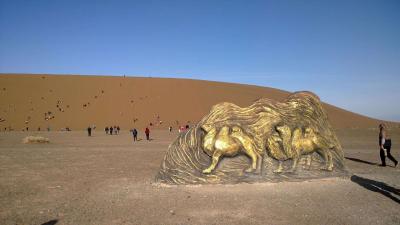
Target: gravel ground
(109,180)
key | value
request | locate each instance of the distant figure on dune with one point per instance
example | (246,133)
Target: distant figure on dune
(38,129)
(147,132)
(118,129)
(135,134)
(115,130)
(170,129)
(385,143)
(89,130)
(106,130)
(111,130)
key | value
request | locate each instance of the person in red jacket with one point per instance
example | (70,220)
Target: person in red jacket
(147,132)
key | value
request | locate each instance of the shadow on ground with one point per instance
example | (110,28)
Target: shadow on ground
(361,161)
(379,187)
(51,222)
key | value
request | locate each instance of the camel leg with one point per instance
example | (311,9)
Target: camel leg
(309,159)
(294,165)
(328,160)
(215,159)
(254,159)
(280,168)
(296,157)
(259,163)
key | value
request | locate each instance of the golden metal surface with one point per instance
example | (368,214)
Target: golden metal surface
(256,143)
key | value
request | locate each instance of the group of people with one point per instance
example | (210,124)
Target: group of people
(183,128)
(135,134)
(112,130)
(116,129)
(89,129)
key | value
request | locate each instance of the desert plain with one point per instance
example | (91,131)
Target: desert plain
(104,179)
(109,179)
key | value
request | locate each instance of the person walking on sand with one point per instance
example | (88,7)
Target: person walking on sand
(147,132)
(118,129)
(89,130)
(106,130)
(385,143)
(111,130)
(134,133)
(170,129)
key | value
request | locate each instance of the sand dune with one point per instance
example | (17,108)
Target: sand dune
(79,101)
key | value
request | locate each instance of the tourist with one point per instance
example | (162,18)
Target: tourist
(147,132)
(118,129)
(89,130)
(115,130)
(385,143)
(170,129)
(111,130)
(134,133)
(106,130)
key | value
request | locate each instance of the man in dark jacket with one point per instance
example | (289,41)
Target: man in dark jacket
(147,132)
(134,133)
(89,130)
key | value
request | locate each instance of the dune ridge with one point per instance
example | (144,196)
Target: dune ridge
(75,101)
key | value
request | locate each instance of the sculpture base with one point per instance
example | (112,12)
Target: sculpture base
(184,162)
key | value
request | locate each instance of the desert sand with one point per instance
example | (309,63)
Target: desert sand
(103,179)
(60,101)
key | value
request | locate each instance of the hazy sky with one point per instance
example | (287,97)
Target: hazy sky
(348,52)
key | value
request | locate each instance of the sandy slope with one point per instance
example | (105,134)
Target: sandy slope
(78,101)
